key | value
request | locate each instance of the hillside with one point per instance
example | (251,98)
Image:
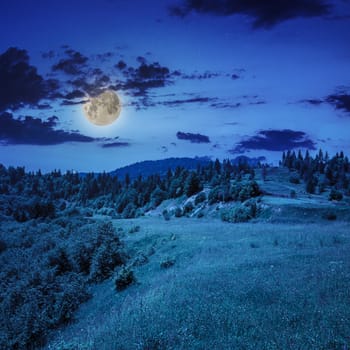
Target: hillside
(192,260)
(205,284)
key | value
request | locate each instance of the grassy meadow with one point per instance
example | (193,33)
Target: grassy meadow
(254,259)
(227,286)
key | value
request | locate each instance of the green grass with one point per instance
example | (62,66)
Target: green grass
(233,286)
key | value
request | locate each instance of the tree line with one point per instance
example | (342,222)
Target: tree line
(319,172)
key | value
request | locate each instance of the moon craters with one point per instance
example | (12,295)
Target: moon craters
(103,109)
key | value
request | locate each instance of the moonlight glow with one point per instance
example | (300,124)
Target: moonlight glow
(103,109)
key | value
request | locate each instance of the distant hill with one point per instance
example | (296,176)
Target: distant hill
(150,167)
(251,161)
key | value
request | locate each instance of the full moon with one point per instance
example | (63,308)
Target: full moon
(103,109)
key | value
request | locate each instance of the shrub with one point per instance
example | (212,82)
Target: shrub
(134,229)
(294,179)
(254,245)
(105,260)
(82,257)
(329,215)
(201,197)
(293,194)
(335,195)
(129,211)
(241,213)
(188,208)
(200,215)
(59,260)
(178,212)
(249,190)
(166,215)
(167,262)
(124,279)
(214,195)
(157,197)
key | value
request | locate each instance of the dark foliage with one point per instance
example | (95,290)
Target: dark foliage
(127,198)
(124,279)
(329,215)
(166,263)
(242,213)
(44,279)
(320,172)
(335,195)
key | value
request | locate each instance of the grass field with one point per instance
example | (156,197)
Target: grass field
(206,284)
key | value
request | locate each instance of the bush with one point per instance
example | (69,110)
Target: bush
(157,197)
(241,213)
(134,229)
(249,190)
(166,215)
(293,194)
(124,279)
(129,211)
(214,195)
(166,263)
(294,179)
(105,260)
(335,195)
(34,306)
(329,215)
(200,215)
(201,197)
(178,212)
(59,261)
(82,257)
(188,208)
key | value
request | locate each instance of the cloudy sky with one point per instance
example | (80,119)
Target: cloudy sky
(217,78)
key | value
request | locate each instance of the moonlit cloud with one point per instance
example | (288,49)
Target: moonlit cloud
(34,131)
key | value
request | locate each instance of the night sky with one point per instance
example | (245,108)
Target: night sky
(218,78)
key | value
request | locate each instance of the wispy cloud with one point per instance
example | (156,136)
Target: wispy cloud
(194,138)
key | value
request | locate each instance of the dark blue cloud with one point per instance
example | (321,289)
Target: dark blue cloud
(275,140)
(20,83)
(179,102)
(72,64)
(116,144)
(340,101)
(144,77)
(264,13)
(194,138)
(313,101)
(74,94)
(72,103)
(34,131)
